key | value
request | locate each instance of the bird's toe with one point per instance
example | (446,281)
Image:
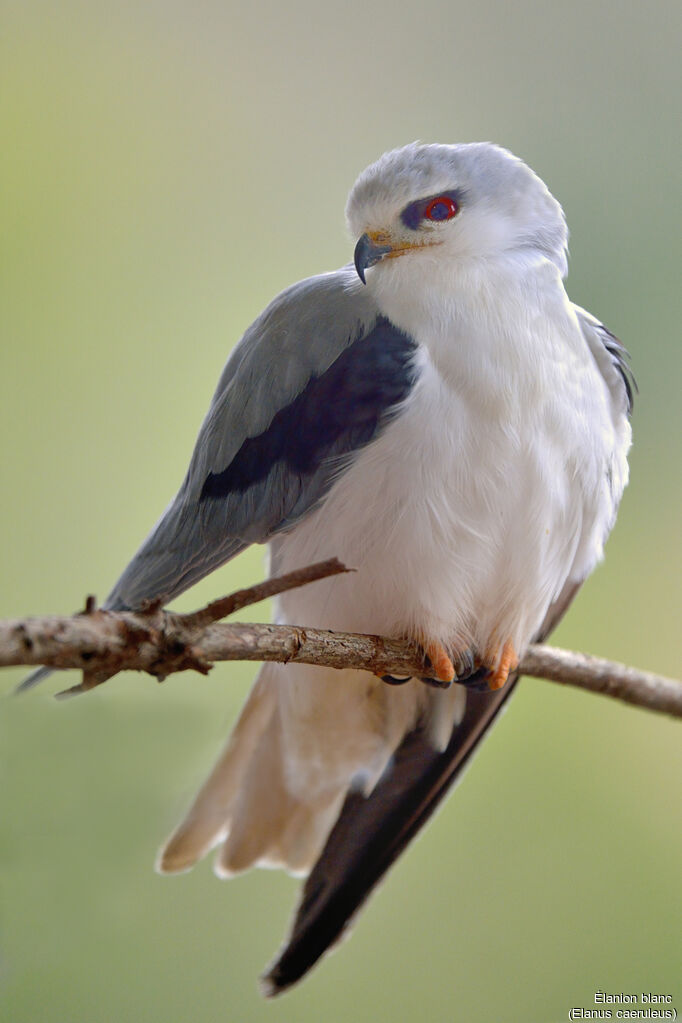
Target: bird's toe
(506,661)
(440,661)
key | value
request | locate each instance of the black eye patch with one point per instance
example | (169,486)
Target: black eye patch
(413,214)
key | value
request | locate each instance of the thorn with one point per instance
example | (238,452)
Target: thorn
(91,679)
(65,694)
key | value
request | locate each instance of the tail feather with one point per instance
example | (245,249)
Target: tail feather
(370,834)
(292,838)
(306,832)
(260,810)
(208,817)
(246,804)
(373,830)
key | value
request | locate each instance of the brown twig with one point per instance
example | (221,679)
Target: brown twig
(225,606)
(102,643)
(640,688)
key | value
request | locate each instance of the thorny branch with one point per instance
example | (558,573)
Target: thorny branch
(102,643)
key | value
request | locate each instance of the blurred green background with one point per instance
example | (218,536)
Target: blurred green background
(167,168)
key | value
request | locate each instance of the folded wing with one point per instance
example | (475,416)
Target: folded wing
(310,382)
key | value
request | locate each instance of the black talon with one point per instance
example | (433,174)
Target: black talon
(477,680)
(469,673)
(393,680)
(435,683)
(465,666)
(468,670)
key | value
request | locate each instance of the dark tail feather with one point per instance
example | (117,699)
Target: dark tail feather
(370,834)
(34,679)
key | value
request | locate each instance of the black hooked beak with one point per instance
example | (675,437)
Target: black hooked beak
(367,253)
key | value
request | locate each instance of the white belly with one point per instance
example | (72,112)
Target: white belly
(463,519)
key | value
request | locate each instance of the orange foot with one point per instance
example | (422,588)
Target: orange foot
(445,667)
(508,662)
(441,663)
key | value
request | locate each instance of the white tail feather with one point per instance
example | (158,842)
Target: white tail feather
(245,802)
(207,820)
(278,787)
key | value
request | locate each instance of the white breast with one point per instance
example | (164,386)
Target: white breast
(464,518)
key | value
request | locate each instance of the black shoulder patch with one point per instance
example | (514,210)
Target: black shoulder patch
(620,358)
(337,412)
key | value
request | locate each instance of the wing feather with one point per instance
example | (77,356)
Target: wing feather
(311,381)
(612,358)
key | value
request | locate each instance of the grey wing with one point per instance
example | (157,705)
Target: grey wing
(612,358)
(311,380)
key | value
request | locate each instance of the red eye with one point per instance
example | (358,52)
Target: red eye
(441,208)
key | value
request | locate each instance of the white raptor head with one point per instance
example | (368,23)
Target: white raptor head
(453,202)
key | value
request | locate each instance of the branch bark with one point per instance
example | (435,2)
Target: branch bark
(102,643)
